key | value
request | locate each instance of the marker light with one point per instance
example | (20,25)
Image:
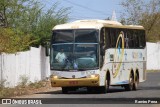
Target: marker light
(55,77)
(93,76)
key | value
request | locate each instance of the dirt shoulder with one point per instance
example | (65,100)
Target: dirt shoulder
(32,88)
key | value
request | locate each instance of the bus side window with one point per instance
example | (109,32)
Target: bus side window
(142,41)
(136,39)
(102,46)
(102,40)
(144,38)
(130,38)
(113,37)
(102,36)
(107,38)
(118,33)
(126,39)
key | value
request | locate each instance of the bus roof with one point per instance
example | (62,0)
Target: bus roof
(95,24)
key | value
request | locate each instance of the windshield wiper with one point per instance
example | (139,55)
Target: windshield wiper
(95,68)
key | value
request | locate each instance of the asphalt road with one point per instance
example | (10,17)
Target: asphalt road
(150,89)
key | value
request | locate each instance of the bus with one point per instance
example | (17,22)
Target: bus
(97,54)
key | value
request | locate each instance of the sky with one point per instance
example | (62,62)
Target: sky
(89,9)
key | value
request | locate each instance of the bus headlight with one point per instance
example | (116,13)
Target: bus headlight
(93,76)
(54,76)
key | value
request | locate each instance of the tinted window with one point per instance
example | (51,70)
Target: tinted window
(113,35)
(120,40)
(136,39)
(63,36)
(130,38)
(86,36)
(142,41)
(108,38)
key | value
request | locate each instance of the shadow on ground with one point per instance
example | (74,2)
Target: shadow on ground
(111,90)
(84,91)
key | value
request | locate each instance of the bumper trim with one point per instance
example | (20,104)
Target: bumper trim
(75,82)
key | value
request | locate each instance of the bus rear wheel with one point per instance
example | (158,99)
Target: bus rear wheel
(135,84)
(130,86)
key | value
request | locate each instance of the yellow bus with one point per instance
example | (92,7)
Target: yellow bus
(97,54)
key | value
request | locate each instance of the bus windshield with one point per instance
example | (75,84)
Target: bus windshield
(80,53)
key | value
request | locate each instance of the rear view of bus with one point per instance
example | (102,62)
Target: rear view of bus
(78,57)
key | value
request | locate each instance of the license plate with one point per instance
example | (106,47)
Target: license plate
(73,82)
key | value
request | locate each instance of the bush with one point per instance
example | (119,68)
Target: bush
(12,41)
(2,84)
(23,80)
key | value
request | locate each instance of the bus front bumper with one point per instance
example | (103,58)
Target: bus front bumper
(80,82)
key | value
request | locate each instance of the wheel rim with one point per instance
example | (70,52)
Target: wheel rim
(107,85)
(136,83)
(131,82)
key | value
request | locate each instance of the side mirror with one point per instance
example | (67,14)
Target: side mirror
(102,49)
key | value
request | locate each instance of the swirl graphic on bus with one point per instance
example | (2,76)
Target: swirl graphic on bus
(118,54)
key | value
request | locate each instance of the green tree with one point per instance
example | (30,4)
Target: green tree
(48,20)
(143,13)
(20,14)
(132,11)
(27,22)
(11,42)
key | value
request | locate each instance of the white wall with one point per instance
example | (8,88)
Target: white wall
(153,56)
(35,65)
(32,64)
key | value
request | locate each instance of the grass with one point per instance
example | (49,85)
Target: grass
(153,70)
(24,89)
(8,92)
(37,84)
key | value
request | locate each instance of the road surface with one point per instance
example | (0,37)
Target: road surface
(149,89)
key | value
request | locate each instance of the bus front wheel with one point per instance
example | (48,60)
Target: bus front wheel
(104,89)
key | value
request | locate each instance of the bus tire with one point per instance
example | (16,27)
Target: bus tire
(107,86)
(129,87)
(104,89)
(107,81)
(64,90)
(135,84)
